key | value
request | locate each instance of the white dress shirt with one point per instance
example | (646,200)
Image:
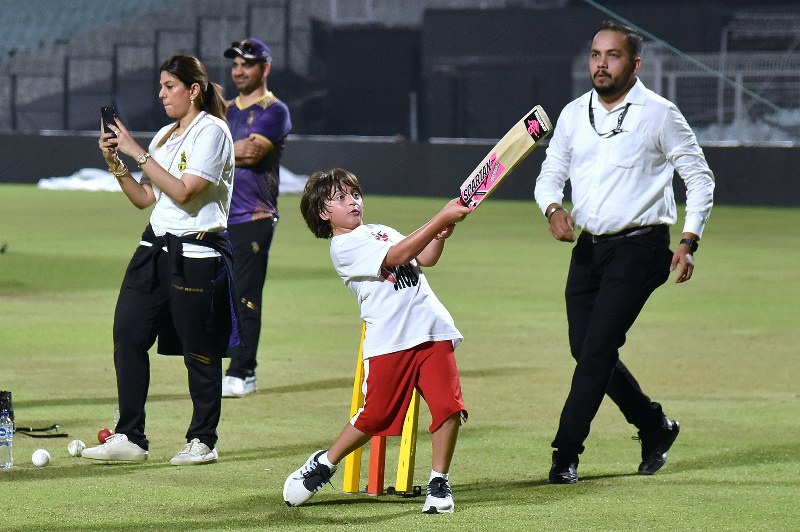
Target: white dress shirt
(625,180)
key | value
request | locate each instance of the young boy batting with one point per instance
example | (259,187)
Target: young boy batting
(410,337)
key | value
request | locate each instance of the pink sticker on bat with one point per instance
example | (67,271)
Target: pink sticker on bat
(492,170)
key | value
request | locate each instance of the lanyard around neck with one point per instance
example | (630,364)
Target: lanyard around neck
(617,130)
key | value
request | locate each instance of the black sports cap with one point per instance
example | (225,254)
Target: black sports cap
(250,50)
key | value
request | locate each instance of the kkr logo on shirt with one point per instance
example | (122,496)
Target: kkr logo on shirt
(380,235)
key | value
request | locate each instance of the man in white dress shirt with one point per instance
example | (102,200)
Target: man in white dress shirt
(619,145)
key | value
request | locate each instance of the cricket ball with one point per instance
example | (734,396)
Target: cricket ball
(103,435)
(76,447)
(40,458)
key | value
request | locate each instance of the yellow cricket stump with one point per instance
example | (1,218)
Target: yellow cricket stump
(408,447)
(352,462)
(408,444)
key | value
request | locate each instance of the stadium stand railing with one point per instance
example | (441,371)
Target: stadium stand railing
(58,58)
(748,92)
(58,55)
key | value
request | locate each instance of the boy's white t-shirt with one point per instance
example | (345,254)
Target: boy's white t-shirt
(204,149)
(397,304)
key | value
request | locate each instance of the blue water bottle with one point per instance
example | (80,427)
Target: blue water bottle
(6,440)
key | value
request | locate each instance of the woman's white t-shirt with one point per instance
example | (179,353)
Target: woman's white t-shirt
(204,149)
(397,304)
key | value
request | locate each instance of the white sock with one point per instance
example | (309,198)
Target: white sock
(323,459)
(435,474)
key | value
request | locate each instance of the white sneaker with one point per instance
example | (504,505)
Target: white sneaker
(117,448)
(194,453)
(307,480)
(236,387)
(439,499)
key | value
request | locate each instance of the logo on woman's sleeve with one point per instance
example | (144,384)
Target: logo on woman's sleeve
(182,164)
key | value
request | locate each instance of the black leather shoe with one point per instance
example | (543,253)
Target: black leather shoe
(655,446)
(564,470)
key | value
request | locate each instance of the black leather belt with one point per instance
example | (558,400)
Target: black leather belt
(633,231)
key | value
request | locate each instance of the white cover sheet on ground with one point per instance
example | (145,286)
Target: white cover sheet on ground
(96,179)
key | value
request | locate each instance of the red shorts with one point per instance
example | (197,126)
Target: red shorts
(389,381)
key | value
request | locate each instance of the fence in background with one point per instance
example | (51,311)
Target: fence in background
(743,96)
(749,92)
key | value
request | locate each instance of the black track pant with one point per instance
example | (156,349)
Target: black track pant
(193,303)
(251,242)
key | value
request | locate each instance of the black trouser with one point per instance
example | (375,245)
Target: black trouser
(251,242)
(194,304)
(608,284)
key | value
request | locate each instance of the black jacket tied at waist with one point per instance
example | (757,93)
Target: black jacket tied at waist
(142,272)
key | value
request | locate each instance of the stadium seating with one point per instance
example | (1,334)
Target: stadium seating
(59,58)
(31,23)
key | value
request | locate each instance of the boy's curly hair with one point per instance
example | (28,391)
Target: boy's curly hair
(318,190)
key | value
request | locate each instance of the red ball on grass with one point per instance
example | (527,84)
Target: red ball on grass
(103,435)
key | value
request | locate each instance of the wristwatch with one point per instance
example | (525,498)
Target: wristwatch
(552,210)
(691,242)
(140,160)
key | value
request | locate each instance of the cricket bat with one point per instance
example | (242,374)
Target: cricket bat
(505,156)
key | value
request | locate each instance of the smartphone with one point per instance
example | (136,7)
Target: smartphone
(107,113)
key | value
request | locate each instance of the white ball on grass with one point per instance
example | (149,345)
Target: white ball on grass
(40,458)
(76,447)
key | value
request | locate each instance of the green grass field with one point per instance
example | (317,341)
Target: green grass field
(720,353)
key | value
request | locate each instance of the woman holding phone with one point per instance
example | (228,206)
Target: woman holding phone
(177,286)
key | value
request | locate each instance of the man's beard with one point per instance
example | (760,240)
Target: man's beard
(622,83)
(608,90)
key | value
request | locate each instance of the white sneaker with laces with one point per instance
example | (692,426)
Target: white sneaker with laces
(117,448)
(306,481)
(236,387)
(194,453)
(439,499)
